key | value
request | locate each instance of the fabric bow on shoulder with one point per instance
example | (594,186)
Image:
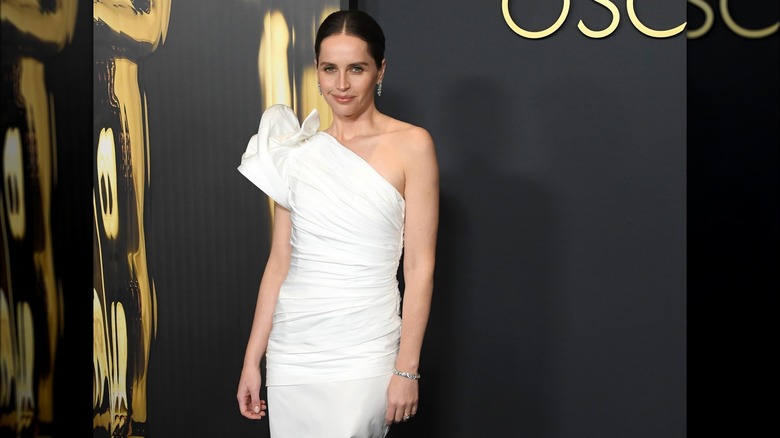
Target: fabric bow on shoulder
(266,159)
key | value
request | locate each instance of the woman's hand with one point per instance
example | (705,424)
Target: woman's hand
(249,402)
(402,399)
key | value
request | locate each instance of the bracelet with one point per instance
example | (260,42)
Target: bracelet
(405,374)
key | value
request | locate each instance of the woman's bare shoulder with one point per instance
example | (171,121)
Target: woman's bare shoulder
(412,138)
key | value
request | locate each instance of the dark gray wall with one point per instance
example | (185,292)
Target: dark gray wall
(208,225)
(560,301)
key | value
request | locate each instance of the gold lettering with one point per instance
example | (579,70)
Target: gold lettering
(648,31)
(605,32)
(534,34)
(741,31)
(709,18)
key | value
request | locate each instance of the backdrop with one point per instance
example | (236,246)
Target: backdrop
(584,250)
(560,287)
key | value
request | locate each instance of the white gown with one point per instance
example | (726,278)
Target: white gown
(336,326)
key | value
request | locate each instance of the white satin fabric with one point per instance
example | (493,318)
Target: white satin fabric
(337,317)
(349,409)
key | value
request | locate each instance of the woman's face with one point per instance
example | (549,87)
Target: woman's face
(347,74)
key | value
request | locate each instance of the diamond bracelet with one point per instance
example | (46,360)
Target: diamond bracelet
(405,374)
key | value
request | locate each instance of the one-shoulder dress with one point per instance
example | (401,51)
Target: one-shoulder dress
(336,325)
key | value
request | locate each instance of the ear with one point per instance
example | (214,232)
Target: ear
(382,71)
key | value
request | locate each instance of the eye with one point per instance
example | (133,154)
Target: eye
(329,68)
(357,69)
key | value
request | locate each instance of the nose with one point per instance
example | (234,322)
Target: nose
(343,83)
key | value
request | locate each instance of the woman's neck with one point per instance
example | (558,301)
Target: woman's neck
(345,128)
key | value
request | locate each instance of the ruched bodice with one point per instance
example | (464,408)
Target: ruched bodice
(337,316)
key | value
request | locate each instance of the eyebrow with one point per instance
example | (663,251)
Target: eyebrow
(351,63)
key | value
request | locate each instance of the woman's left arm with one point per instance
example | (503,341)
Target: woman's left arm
(421,193)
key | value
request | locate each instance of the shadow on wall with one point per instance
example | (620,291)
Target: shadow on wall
(733,214)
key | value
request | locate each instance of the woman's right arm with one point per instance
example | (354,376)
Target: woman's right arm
(249,402)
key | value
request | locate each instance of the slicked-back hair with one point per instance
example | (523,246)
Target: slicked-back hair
(354,23)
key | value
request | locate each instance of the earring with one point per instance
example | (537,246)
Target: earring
(319,90)
(379,89)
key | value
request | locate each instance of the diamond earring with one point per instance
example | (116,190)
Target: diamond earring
(379,89)
(319,90)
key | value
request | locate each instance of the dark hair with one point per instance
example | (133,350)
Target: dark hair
(355,23)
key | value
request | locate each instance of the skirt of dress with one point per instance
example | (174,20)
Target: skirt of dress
(349,409)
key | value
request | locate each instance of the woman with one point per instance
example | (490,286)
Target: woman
(349,200)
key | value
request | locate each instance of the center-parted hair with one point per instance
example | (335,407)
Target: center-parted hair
(354,23)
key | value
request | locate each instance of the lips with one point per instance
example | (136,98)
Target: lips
(342,99)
